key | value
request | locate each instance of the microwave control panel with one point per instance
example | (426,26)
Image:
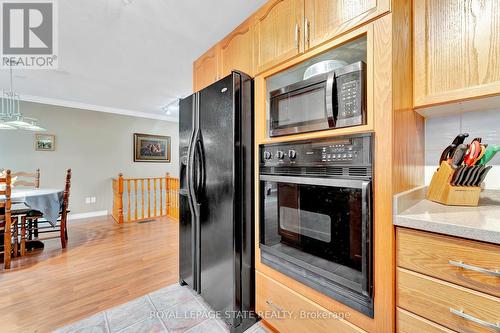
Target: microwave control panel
(351,98)
(345,150)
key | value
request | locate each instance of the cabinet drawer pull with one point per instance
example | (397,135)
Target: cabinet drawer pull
(478,321)
(474,268)
(297,36)
(274,306)
(307,33)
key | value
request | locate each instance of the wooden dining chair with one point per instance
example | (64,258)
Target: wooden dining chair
(36,226)
(5,218)
(27,179)
(24,179)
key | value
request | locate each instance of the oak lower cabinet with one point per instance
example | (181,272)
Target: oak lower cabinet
(446,284)
(456,50)
(277,32)
(290,312)
(236,50)
(206,69)
(325,19)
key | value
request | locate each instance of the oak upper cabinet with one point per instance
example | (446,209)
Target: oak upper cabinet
(456,50)
(236,50)
(277,32)
(325,19)
(206,69)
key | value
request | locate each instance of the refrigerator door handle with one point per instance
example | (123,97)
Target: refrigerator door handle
(190,190)
(200,168)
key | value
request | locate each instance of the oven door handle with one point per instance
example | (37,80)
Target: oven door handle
(330,89)
(333,182)
(367,253)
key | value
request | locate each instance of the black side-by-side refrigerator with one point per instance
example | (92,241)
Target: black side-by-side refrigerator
(216,197)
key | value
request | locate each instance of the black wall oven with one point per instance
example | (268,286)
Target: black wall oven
(330,100)
(316,216)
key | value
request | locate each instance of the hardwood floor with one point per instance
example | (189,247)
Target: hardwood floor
(104,265)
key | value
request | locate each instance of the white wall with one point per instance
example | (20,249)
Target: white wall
(440,132)
(95,145)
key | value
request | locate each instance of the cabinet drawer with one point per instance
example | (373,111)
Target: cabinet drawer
(407,322)
(290,312)
(441,302)
(441,256)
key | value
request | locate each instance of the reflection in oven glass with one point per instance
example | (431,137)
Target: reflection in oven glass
(320,221)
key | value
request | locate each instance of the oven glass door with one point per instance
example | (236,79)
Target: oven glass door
(301,110)
(322,222)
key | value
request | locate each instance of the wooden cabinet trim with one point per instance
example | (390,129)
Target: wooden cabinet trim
(271,7)
(233,35)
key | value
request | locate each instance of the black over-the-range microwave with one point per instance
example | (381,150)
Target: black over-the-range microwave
(330,100)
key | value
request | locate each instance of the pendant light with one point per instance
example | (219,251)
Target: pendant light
(11,116)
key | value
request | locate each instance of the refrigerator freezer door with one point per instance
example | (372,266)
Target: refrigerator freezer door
(186,228)
(220,272)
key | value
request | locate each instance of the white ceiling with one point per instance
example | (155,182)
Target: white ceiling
(129,56)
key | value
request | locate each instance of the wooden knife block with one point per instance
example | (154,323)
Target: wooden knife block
(443,192)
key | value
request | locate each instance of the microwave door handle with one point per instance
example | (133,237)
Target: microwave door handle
(330,94)
(366,215)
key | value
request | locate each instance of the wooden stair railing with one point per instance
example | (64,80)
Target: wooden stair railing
(137,199)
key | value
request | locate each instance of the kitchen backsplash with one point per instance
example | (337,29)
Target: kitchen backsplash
(440,132)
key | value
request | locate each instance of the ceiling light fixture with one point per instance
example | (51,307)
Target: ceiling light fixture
(6,126)
(10,114)
(171,108)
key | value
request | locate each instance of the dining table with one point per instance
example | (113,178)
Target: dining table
(47,201)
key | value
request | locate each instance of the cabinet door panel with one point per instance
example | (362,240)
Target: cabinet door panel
(205,69)
(278,27)
(456,50)
(326,19)
(237,50)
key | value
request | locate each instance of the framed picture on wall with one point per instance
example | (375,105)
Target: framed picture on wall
(45,142)
(151,148)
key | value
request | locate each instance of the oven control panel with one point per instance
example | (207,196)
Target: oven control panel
(350,150)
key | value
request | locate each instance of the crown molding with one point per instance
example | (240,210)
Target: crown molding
(98,108)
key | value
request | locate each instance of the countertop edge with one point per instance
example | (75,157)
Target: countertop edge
(487,236)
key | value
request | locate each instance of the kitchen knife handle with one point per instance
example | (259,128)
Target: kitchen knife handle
(447,152)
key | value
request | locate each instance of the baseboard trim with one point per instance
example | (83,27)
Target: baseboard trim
(87,215)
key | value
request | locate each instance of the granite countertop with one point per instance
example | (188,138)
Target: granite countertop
(481,223)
